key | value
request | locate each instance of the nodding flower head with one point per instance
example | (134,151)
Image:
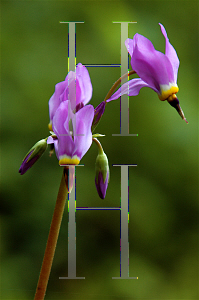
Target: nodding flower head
(76,87)
(156,70)
(102,173)
(33,155)
(71,118)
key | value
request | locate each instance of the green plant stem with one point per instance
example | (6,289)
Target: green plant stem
(100,149)
(52,240)
(111,91)
(117,83)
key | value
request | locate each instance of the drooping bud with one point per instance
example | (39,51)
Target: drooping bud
(98,112)
(173,101)
(102,173)
(33,155)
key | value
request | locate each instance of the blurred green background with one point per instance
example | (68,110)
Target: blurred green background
(163,194)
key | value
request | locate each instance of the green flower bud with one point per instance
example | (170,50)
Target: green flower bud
(101,166)
(102,173)
(33,155)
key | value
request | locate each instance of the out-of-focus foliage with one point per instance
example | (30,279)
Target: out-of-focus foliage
(162,188)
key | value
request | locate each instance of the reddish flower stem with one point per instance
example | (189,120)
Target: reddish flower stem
(117,83)
(52,240)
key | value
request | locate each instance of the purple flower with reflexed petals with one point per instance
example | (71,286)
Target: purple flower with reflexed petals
(71,118)
(156,70)
(78,81)
(73,133)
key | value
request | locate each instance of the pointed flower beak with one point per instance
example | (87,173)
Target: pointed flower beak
(102,173)
(174,102)
(33,155)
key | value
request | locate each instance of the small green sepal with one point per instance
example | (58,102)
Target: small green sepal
(95,135)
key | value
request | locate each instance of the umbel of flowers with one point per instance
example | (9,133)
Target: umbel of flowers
(73,120)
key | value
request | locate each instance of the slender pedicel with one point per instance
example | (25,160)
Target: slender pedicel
(99,110)
(102,173)
(52,240)
(115,85)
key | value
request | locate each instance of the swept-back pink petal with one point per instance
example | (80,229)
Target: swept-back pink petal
(171,53)
(76,87)
(131,88)
(59,118)
(61,129)
(152,66)
(84,91)
(69,92)
(82,121)
(54,101)
(129,43)
(79,81)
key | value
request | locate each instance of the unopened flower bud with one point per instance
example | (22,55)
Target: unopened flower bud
(101,172)
(98,112)
(33,155)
